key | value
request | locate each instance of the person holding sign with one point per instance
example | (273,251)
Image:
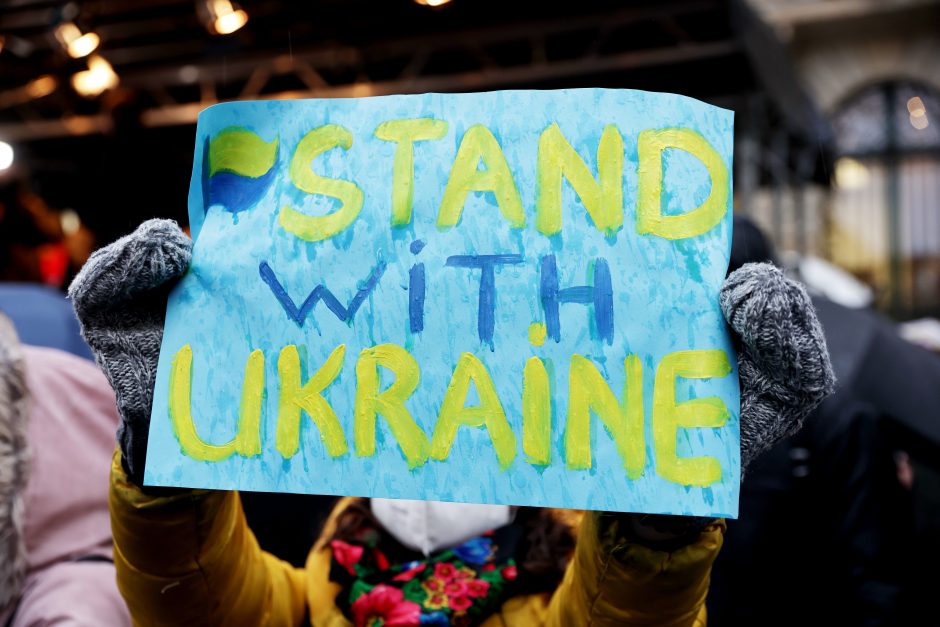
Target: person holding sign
(435,416)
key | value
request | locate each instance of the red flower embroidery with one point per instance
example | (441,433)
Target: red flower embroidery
(477,588)
(409,574)
(380,560)
(346,555)
(385,606)
(509,573)
(433,584)
(445,571)
(455,588)
(465,573)
(488,568)
(436,601)
(460,603)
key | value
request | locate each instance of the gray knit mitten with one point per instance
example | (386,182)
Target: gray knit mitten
(120,298)
(783,362)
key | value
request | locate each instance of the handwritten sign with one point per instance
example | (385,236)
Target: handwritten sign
(505,297)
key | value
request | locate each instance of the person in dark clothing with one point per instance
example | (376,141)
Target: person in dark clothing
(815,523)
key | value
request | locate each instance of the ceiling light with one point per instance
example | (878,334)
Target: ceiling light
(70,221)
(915,106)
(432,3)
(230,22)
(42,86)
(76,43)
(920,122)
(83,46)
(223,17)
(99,77)
(6,156)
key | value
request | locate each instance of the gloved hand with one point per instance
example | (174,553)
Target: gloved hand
(784,372)
(783,362)
(120,298)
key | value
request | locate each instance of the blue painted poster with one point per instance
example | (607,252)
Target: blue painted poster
(505,297)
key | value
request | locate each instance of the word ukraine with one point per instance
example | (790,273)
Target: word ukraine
(411,229)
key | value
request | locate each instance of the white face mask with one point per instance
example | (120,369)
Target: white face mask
(427,526)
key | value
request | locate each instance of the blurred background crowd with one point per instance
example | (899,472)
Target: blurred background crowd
(837,180)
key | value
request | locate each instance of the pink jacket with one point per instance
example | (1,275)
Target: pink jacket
(70,579)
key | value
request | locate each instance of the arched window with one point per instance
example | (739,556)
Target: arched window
(886,213)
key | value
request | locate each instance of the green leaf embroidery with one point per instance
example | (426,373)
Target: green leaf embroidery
(414,592)
(359,588)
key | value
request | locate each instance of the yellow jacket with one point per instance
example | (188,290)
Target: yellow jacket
(190,559)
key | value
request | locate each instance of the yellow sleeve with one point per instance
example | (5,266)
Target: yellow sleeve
(613,582)
(190,559)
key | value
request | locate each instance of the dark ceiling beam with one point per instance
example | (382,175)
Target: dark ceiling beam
(37,13)
(543,28)
(125,20)
(482,79)
(237,67)
(112,9)
(149,28)
(73,126)
(19,4)
(33,18)
(155,52)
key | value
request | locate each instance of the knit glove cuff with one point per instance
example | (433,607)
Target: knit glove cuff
(120,298)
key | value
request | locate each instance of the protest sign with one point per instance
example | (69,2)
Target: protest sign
(506,297)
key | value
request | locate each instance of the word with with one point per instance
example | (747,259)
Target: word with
(551,296)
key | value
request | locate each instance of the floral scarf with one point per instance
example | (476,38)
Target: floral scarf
(388,585)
